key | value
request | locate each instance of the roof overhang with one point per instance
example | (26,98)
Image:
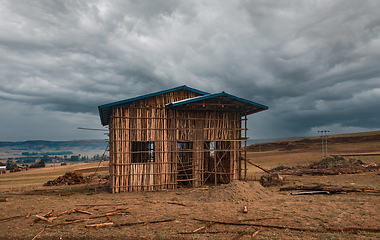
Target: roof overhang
(219,101)
(106,109)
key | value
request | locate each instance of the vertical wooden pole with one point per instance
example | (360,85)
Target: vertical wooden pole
(245,146)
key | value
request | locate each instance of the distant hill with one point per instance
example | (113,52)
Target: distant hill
(40,147)
(269,140)
(302,143)
(40,144)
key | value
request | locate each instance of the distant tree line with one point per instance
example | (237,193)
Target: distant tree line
(37,162)
(46,153)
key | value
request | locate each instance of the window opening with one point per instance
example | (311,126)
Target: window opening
(142,152)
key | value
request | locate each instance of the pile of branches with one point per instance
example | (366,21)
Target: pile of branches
(321,189)
(69,178)
(333,165)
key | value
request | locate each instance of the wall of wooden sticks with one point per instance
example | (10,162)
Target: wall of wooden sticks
(153,147)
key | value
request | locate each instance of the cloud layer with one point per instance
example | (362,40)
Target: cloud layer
(314,63)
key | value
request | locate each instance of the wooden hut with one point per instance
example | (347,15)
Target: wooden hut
(180,136)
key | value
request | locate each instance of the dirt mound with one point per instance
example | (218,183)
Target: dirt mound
(272,179)
(236,191)
(333,165)
(69,178)
(336,161)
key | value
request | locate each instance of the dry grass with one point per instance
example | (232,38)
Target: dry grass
(26,195)
(38,176)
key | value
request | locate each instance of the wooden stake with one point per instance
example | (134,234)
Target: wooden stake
(255,233)
(258,219)
(43,218)
(38,234)
(99,225)
(81,211)
(204,227)
(258,166)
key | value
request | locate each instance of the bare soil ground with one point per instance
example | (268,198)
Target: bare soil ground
(177,214)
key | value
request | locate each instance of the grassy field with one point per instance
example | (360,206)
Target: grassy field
(177,214)
(38,176)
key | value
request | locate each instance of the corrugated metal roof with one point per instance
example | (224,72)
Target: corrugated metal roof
(243,105)
(105,110)
(247,106)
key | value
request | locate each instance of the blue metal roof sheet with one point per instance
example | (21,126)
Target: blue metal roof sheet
(184,87)
(249,106)
(215,95)
(105,110)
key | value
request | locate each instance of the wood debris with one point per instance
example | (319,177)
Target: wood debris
(43,218)
(272,179)
(82,211)
(258,166)
(330,190)
(38,234)
(310,192)
(67,212)
(103,204)
(177,203)
(259,219)
(204,227)
(11,218)
(69,178)
(328,229)
(111,224)
(47,217)
(255,233)
(144,222)
(98,225)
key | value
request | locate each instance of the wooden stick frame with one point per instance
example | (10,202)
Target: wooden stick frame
(217,140)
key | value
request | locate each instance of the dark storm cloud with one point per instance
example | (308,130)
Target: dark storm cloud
(315,63)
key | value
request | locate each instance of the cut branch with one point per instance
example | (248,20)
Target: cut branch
(258,166)
(99,225)
(144,222)
(329,189)
(177,203)
(343,229)
(11,218)
(43,218)
(204,227)
(258,219)
(38,234)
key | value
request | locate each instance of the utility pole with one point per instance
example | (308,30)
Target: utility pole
(326,131)
(324,141)
(323,152)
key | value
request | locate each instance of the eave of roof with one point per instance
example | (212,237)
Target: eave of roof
(105,110)
(184,87)
(257,106)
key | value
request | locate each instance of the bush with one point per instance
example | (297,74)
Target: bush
(41,164)
(11,166)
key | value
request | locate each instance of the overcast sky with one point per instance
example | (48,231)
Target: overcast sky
(315,64)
